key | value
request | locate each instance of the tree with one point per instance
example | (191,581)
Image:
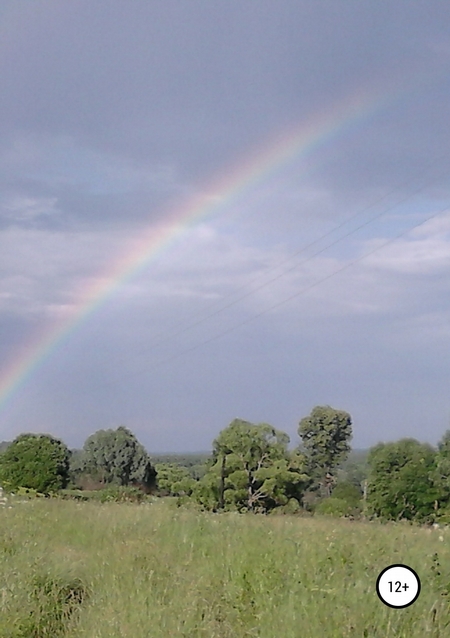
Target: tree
(207,491)
(326,434)
(75,466)
(35,461)
(441,475)
(400,481)
(117,457)
(354,469)
(251,469)
(348,492)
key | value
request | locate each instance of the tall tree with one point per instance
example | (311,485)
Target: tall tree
(116,456)
(400,481)
(252,469)
(326,434)
(36,461)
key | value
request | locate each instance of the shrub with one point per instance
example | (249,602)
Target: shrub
(121,494)
(443,516)
(291,507)
(28,492)
(76,495)
(348,492)
(174,480)
(333,506)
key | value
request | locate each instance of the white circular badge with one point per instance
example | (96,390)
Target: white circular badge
(398,586)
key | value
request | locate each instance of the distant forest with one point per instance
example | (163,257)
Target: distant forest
(193,460)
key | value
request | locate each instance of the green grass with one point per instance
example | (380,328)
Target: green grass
(154,570)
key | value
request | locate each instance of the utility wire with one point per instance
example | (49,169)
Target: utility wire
(300,292)
(184,328)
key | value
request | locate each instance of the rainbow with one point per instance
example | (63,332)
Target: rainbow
(299,143)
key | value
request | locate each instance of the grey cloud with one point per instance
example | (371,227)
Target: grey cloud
(198,82)
(113,112)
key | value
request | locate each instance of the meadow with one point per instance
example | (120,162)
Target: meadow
(154,570)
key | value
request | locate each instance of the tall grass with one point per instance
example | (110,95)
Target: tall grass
(154,570)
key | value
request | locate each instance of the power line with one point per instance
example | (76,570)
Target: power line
(184,328)
(302,291)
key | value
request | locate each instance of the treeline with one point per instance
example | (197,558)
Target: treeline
(251,469)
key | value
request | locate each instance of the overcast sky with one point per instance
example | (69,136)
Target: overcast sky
(113,113)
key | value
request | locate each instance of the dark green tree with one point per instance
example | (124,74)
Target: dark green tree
(117,457)
(400,481)
(36,461)
(326,434)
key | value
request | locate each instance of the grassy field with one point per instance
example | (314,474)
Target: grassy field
(154,570)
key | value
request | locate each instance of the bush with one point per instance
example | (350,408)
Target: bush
(443,516)
(28,492)
(121,494)
(333,506)
(291,507)
(76,495)
(174,480)
(348,492)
